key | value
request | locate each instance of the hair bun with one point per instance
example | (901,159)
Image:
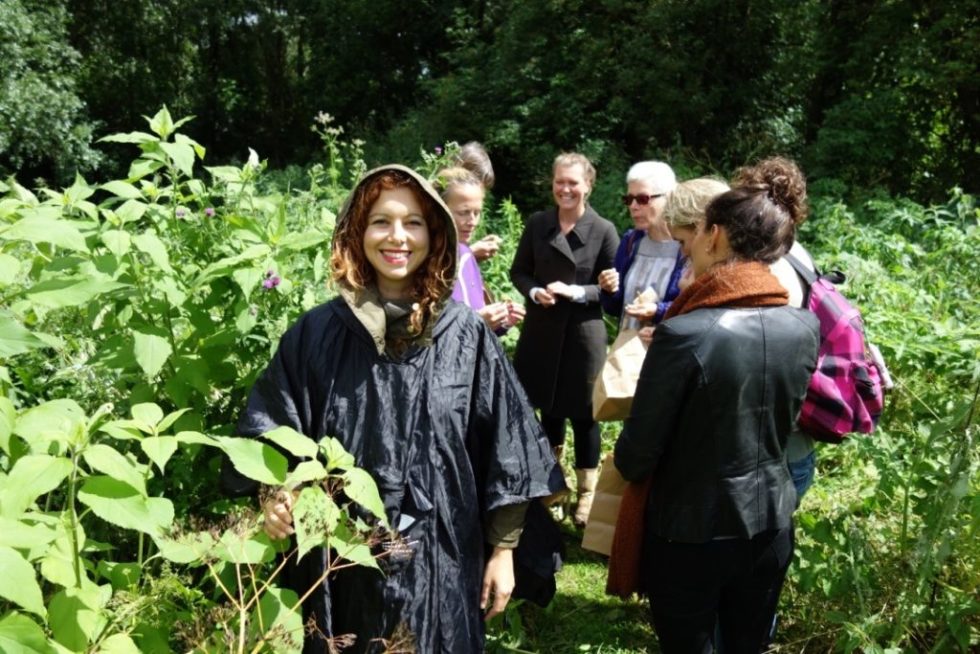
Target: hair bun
(784,184)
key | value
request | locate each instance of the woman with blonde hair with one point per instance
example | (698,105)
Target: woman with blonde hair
(563,341)
(418,390)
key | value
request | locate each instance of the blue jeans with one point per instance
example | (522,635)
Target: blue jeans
(802,473)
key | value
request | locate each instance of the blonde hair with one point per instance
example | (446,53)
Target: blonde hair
(448,179)
(566,159)
(687,203)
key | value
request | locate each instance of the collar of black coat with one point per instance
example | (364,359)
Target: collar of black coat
(582,230)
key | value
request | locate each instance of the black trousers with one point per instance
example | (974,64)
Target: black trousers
(730,582)
(587,441)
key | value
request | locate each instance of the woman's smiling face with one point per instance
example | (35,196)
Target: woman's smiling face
(396,240)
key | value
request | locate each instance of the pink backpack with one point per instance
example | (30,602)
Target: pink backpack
(845,393)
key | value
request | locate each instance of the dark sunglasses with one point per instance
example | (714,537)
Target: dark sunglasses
(642,199)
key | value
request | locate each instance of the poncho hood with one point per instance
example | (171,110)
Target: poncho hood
(442,213)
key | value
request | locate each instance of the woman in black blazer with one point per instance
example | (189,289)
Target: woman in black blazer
(563,342)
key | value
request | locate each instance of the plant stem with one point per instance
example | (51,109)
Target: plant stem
(73,520)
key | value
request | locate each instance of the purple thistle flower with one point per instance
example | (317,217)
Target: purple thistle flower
(271,282)
(438,149)
(209,212)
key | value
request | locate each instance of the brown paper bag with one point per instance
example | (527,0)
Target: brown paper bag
(599,530)
(612,394)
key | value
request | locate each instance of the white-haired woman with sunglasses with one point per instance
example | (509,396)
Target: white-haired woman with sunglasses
(644,280)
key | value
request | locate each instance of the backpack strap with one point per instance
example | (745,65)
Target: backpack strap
(835,277)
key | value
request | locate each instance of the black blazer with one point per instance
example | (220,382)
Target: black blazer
(562,348)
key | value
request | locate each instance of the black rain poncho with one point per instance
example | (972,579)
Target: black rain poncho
(447,433)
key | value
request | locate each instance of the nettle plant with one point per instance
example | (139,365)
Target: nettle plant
(74,506)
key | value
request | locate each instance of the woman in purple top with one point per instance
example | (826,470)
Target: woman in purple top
(463,194)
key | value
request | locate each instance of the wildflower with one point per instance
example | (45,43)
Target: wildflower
(271,280)
(209,212)
(180,213)
(253,159)
(439,150)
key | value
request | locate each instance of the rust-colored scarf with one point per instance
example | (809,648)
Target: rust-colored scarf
(740,284)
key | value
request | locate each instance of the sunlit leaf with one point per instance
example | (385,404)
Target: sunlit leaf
(147,415)
(15,338)
(360,487)
(255,460)
(18,583)
(21,635)
(292,441)
(151,352)
(31,477)
(149,243)
(314,517)
(45,230)
(108,461)
(120,504)
(76,616)
(71,291)
(159,449)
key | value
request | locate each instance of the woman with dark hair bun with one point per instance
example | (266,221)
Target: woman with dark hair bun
(718,395)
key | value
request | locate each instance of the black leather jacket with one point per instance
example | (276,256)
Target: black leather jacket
(718,395)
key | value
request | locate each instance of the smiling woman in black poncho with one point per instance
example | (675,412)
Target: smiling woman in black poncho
(420,392)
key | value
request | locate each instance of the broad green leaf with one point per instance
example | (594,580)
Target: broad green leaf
(124,430)
(234,547)
(21,635)
(15,338)
(120,504)
(255,459)
(9,269)
(159,449)
(71,291)
(170,419)
(227,174)
(301,240)
(122,189)
(337,457)
(147,415)
(118,644)
(131,137)
(315,515)
(305,472)
(117,240)
(31,477)
(108,461)
(37,229)
(140,168)
(18,583)
(196,438)
(182,156)
(151,352)
(172,290)
(75,616)
(186,548)
(57,562)
(229,264)
(246,319)
(20,535)
(59,421)
(131,210)
(360,487)
(292,441)
(161,124)
(275,613)
(248,279)
(350,545)
(78,191)
(151,244)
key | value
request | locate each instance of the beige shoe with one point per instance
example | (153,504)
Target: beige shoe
(586,479)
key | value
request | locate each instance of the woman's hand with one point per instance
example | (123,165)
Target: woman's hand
(498,581)
(641,310)
(486,247)
(646,335)
(278,512)
(515,313)
(609,280)
(496,315)
(544,297)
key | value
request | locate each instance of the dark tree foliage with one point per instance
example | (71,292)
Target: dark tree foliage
(875,93)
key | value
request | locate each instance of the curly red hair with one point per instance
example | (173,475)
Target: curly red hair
(349,265)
